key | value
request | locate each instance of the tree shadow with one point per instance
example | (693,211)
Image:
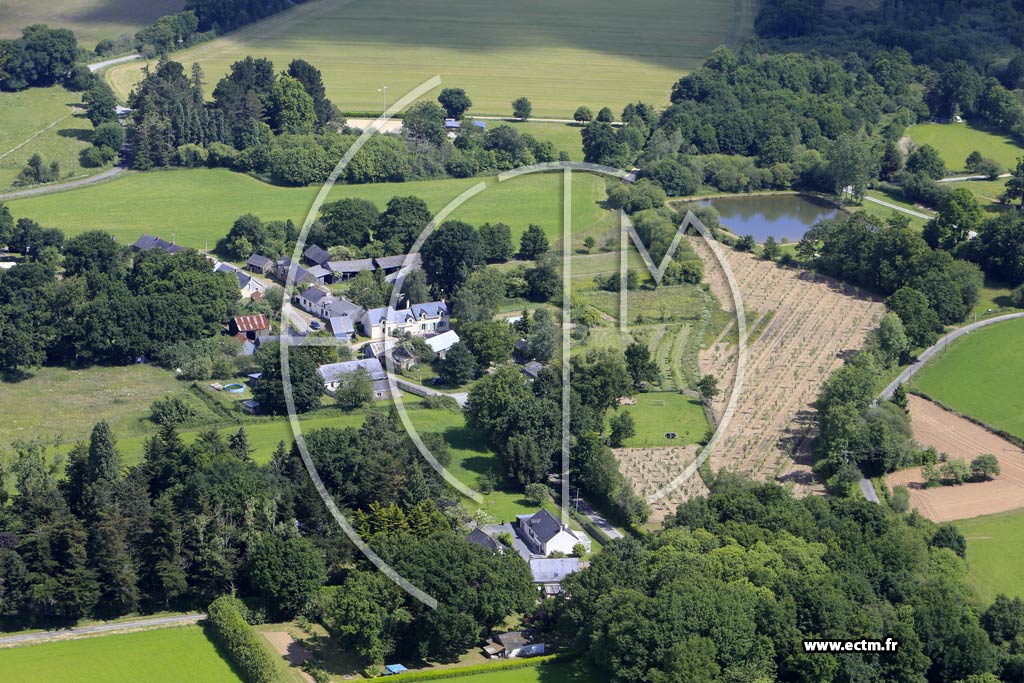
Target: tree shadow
(76,134)
(16,376)
(465,439)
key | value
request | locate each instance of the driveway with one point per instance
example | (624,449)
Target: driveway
(96,66)
(60,187)
(133,625)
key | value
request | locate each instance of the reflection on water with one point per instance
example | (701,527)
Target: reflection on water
(781,216)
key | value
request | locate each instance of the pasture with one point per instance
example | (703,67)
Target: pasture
(995,553)
(979,375)
(560,55)
(552,672)
(91,20)
(168,655)
(42,121)
(955,141)
(196,207)
(659,412)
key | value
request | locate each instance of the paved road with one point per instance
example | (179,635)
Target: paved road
(599,520)
(969,177)
(911,370)
(60,187)
(894,207)
(96,66)
(102,628)
(420,390)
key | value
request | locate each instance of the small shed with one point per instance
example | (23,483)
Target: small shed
(392,669)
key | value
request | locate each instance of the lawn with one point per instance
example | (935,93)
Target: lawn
(884,212)
(979,376)
(565,137)
(560,55)
(956,141)
(197,207)
(658,412)
(554,672)
(995,553)
(91,20)
(42,121)
(987,191)
(169,654)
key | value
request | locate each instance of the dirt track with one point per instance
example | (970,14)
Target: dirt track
(961,438)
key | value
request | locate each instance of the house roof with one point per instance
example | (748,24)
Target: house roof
(478,537)
(259,261)
(341,326)
(479,124)
(389,262)
(314,294)
(533,368)
(431,309)
(543,523)
(316,254)
(334,371)
(343,307)
(251,323)
(146,242)
(443,341)
(243,279)
(301,273)
(553,570)
(222,267)
(319,272)
(452,123)
(351,266)
(514,639)
(394,668)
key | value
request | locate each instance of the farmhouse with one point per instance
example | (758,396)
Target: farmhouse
(147,242)
(248,286)
(316,255)
(253,327)
(302,276)
(515,644)
(260,264)
(440,343)
(326,306)
(333,374)
(341,327)
(544,534)
(346,270)
(419,320)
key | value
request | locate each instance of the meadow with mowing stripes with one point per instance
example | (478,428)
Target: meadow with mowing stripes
(42,121)
(979,376)
(196,207)
(956,140)
(167,655)
(91,20)
(560,55)
(995,553)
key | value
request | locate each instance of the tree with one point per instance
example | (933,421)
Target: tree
(892,340)
(424,122)
(899,397)
(455,102)
(109,557)
(589,242)
(543,280)
(94,251)
(770,250)
(989,168)
(642,367)
(533,242)
(948,536)
(458,365)
(622,428)
(306,384)
(347,222)
(312,81)
(490,341)
(972,160)
(955,470)
(708,387)
(959,214)
(521,108)
(355,390)
(402,222)
(601,377)
(450,254)
(496,241)
(1015,184)
(927,160)
(605,115)
(920,321)
(537,493)
(746,243)
(292,110)
(984,467)
(543,341)
(524,461)
(110,135)
(286,572)
(164,578)
(583,114)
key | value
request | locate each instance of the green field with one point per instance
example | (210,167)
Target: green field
(659,412)
(197,207)
(566,137)
(42,121)
(979,375)
(995,553)
(170,655)
(91,20)
(556,672)
(955,141)
(560,55)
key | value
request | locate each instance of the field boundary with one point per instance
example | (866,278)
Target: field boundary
(474,669)
(76,632)
(1012,438)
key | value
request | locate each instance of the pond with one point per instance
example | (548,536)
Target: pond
(784,217)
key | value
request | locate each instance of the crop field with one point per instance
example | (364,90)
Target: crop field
(555,672)
(995,554)
(167,655)
(979,375)
(197,207)
(956,141)
(559,55)
(91,20)
(42,121)
(815,320)
(958,437)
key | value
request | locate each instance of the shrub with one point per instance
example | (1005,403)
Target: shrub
(536,493)
(239,641)
(172,410)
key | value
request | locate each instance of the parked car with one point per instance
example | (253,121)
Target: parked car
(315,325)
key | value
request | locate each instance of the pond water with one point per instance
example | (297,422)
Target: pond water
(780,216)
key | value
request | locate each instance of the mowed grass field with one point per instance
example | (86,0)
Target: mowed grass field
(554,672)
(42,121)
(197,207)
(979,376)
(168,655)
(956,140)
(91,20)
(560,55)
(659,412)
(995,553)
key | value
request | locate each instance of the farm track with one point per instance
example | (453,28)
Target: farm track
(817,320)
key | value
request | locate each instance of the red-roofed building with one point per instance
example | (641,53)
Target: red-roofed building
(252,326)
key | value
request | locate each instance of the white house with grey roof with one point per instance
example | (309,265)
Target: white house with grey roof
(333,374)
(325,305)
(544,534)
(419,320)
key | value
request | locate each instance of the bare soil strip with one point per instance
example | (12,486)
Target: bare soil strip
(958,437)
